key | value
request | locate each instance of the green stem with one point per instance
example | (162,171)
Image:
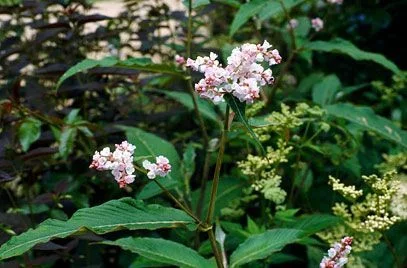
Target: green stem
(218,166)
(205,173)
(393,251)
(214,245)
(294,51)
(184,208)
(190,86)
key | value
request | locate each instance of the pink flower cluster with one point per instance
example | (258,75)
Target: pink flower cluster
(242,77)
(338,2)
(337,255)
(120,162)
(317,24)
(160,168)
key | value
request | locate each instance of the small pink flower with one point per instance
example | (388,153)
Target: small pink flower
(242,76)
(293,23)
(180,60)
(120,162)
(160,168)
(317,24)
(337,255)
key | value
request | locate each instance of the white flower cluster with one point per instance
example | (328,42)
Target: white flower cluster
(337,255)
(338,2)
(346,191)
(160,168)
(242,77)
(317,24)
(120,162)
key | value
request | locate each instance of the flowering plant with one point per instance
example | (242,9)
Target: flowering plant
(199,142)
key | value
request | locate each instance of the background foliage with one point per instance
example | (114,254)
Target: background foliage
(61,100)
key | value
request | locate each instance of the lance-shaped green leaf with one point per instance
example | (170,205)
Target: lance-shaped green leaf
(263,245)
(229,189)
(368,120)
(163,251)
(125,213)
(342,46)
(311,224)
(240,110)
(324,92)
(274,8)
(185,99)
(150,146)
(140,64)
(29,132)
(245,12)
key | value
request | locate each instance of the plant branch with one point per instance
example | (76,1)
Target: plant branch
(218,166)
(214,245)
(170,195)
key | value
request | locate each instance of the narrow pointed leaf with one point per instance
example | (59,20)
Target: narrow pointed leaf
(311,224)
(125,213)
(240,110)
(368,120)
(324,92)
(185,99)
(345,47)
(163,251)
(263,245)
(29,132)
(246,12)
(141,64)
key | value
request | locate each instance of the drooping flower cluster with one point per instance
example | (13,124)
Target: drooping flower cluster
(317,24)
(338,2)
(120,162)
(242,77)
(337,255)
(160,168)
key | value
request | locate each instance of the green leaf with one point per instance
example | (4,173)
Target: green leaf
(324,92)
(185,99)
(229,189)
(150,145)
(161,250)
(274,8)
(279,258)
(232,3)
(311,224)
(29,132)
(66,141)
(308,82)
(125,213)
(240,110)
(141,64)
(199,3)
(188,162)
(9,3)
(304,26)
(345,47)
(245,12)
(73,116)
(263,245)
(369,121)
